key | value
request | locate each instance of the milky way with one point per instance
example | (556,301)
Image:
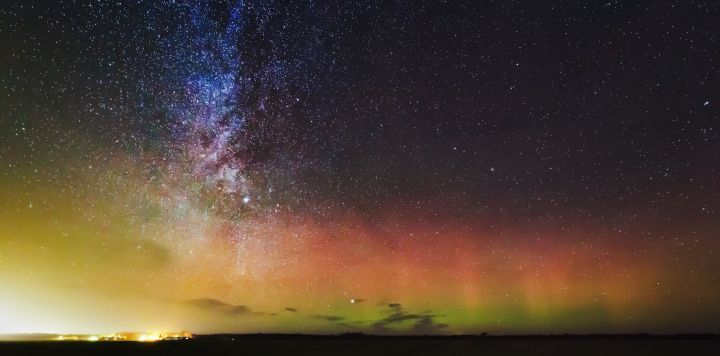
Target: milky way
(281,166)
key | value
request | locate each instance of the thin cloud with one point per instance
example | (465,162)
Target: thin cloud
(218,306)
(424,322)
(332,318)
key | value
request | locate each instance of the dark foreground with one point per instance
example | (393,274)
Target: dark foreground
(370,345)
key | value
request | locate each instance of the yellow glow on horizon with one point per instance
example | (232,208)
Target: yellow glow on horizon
(149,337)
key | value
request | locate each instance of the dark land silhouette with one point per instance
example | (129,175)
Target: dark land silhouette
(357,344)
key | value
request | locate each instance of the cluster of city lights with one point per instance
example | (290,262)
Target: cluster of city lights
(139,337)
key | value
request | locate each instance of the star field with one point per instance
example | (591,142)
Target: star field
(381,167)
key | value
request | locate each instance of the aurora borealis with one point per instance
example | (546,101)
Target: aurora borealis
(376,167)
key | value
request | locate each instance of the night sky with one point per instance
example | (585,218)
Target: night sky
(407,167)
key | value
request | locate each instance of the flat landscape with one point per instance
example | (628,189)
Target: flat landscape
(377,345)
(294,177)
